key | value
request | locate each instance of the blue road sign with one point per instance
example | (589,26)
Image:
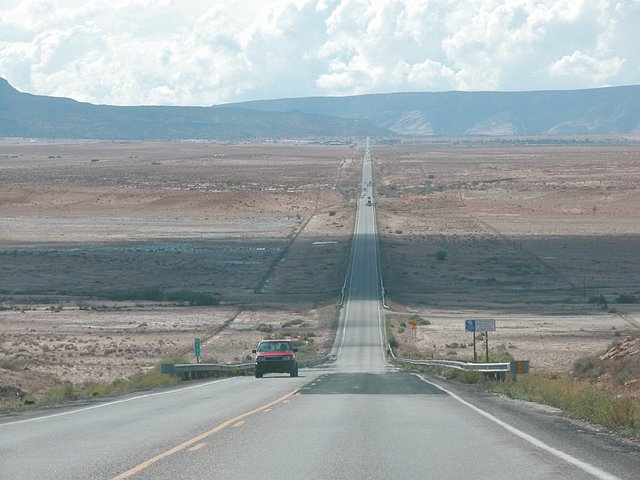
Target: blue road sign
(470,325)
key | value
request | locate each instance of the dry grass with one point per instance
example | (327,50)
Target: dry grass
(577,399)
(68,392)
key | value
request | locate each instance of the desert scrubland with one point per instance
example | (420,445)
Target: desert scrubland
(95,235)
(104,247)
(527,235)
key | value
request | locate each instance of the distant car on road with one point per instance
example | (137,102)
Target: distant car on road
(276,356)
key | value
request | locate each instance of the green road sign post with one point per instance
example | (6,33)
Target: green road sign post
(196,349)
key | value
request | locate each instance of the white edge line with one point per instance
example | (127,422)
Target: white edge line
(382,336)
(348,299)
(590,469)
(115,402)
(344,329)
(350,276)
(380,302)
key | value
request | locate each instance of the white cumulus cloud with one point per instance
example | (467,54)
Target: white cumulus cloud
(578,65)
(201,52)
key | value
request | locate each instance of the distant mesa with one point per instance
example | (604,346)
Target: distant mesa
(611,110)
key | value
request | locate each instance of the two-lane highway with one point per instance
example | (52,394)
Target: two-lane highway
(356,419)
(361,343)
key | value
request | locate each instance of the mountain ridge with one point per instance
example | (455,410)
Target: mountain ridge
(607,110)
(27,115)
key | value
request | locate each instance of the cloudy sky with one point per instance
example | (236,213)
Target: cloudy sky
(203,52)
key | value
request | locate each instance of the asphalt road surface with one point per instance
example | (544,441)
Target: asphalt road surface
(355,419)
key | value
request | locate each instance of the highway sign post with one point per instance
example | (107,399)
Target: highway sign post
(484,325)
(414,327)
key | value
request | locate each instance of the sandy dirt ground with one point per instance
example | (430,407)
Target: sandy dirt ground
(524,235)
(551,342)
(264,228)
(529,234)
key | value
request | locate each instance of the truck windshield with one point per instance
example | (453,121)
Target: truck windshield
(274,347)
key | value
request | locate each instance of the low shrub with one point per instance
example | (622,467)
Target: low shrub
(147,293)
(64,393)
(598,299)
(629,369)
(626,298)
(10,363)
(156,294)
(583,366)
(291,323)
(465,376)
(419,320)
(193,297)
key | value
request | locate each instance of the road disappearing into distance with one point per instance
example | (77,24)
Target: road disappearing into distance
(361,347)
(358,418)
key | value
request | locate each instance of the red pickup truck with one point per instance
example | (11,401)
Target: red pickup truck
(276,356)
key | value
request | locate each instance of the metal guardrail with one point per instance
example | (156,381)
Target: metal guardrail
(191,370)
(468,366)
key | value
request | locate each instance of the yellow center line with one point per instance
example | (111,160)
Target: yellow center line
(196,447)
(239,424)
(146,464)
